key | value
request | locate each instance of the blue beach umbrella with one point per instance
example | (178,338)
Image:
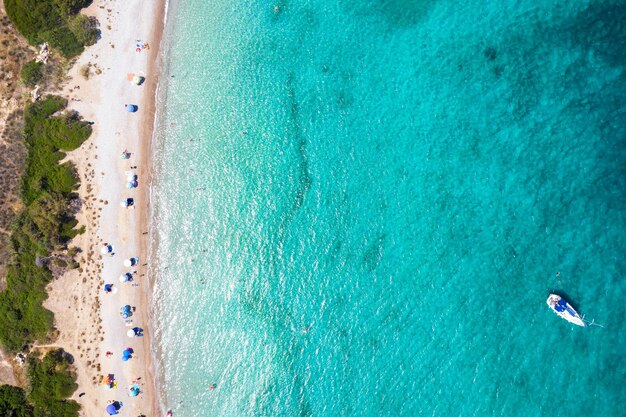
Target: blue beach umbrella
(131,108)
(127,354)
(126,311)
(108,287)
(113,408)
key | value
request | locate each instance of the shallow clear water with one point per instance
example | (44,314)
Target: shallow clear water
(361,208)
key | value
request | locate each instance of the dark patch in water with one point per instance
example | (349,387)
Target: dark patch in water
(344,100)
(600,28)
(405,13)
(498,70)
(490,53)
(304,180)
(374,254)
(396,13)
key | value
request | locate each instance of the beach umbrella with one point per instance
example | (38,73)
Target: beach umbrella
(125,155)
(127,354)
(131,177)
(127,277)
(130,333)
(131,108)
(113,408)
(108,287)
(134,391)
(138,331)
(138,79)
(131,262)
(106,249)
(126,311)
(127,203)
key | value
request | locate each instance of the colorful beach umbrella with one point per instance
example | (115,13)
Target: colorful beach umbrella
(106,249)
(127,354)
(134,391)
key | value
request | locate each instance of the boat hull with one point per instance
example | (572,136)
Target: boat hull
(564,310)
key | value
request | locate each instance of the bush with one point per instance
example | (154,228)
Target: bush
(64,40)
(48,21)
(71,7)
(13,402)
(32,73)
(52,381)
(46,225)
(84,28)
(32,17)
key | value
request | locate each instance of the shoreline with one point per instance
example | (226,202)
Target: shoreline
(100,98)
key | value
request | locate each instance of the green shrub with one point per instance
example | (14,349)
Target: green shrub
(84,29)
(70,7)
(31,17)
(32,73)
(46,138)
(51,383)
(64,40)
(48,21)
(13,402)
(47,224)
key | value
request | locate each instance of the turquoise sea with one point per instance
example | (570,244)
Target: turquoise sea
(360,208)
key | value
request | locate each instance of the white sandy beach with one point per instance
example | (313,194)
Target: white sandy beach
(88,319)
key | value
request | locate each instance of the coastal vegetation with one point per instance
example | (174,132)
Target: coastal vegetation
(51,383)
(39,200)
(13,402)
(47,223)
(14,54)
(32,73)
(54,21)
